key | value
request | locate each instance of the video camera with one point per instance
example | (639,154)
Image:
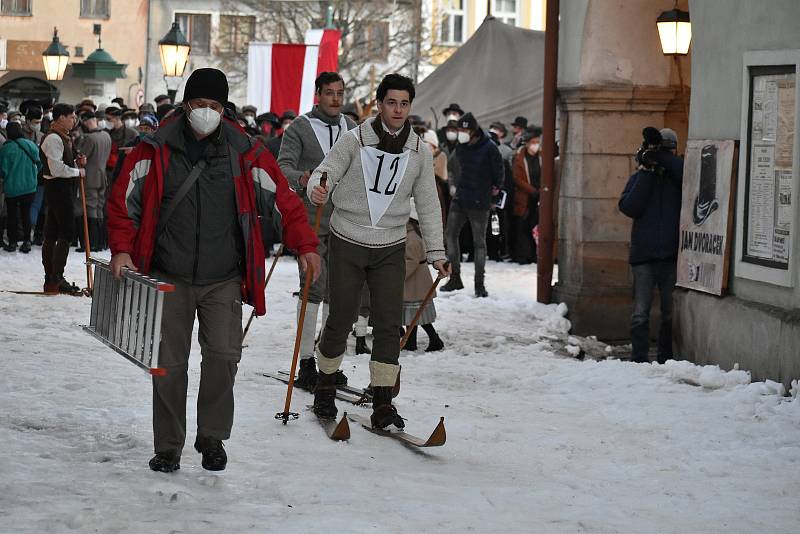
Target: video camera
(652,142)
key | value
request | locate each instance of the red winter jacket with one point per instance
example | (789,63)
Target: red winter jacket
(261,190)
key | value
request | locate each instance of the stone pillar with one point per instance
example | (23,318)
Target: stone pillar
(603,130)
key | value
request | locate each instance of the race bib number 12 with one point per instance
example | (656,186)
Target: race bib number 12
(383,174)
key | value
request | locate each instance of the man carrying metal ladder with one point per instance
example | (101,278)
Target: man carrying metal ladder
(185,208)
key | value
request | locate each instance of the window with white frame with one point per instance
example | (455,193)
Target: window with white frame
(197,29)
(95,9)
(451,26)
(505,11)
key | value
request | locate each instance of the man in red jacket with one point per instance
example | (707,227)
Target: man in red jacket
(185,208)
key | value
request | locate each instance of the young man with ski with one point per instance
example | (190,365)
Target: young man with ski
(305,144)
(373,171)
(186,208)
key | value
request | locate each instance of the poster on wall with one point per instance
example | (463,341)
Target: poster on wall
(769,188)
(706,215)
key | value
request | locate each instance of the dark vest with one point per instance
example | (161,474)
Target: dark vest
(68,157)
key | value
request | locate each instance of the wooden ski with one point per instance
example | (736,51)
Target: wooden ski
(437,438)
(337,431)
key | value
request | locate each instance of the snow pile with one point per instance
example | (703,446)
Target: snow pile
(706,376)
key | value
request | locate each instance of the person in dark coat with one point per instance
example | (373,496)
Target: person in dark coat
(527,180)
(95,144)
(481,176)
(652,198)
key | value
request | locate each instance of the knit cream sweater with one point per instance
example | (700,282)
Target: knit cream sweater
(351,215)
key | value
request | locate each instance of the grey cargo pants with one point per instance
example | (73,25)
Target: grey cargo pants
(219,309)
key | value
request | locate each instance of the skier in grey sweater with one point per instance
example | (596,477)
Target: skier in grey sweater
(306,142)
(373,171)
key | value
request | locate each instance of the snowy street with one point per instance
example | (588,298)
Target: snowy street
(536,442)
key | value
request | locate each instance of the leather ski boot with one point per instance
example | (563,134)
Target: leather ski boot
(307,375)
(454,283)
(325,395)
(383,412)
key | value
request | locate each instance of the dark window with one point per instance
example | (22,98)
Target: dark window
(95,9)
(15,7)
(235,33)
(197,29)
(378,39)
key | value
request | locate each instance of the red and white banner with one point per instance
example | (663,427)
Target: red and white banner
(280,77)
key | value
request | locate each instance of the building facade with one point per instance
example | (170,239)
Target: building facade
(26,30)
(614,81)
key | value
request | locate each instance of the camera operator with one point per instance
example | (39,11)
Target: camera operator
(652,198)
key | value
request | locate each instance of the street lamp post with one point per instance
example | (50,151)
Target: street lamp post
(55,59)
(174,50)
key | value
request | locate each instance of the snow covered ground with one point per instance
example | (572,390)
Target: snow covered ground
(537,443)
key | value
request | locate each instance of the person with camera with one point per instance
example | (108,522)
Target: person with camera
(61,166)
(652,198)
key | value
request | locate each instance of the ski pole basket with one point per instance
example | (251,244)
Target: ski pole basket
(126,314)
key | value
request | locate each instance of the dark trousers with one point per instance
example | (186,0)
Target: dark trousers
(477,219)
(18,209)
(384,271)
(646,278)
(219,310)
(59,226)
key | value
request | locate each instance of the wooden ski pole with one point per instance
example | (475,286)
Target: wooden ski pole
(286,414)
(86,243)
(269,275)
(422,306)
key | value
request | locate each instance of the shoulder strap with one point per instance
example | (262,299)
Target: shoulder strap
(166,213)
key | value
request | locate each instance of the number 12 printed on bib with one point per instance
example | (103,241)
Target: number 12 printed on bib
(383,174)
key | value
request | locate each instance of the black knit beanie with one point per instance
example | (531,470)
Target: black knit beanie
(207,83)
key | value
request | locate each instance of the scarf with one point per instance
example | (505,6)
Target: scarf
(388,142)
(318,114)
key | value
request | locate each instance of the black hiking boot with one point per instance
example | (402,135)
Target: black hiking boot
(214,457)
(361,345)
(165,462)
(480,291)
(10,247)
(411,342)
(454,283)
(383,412)
(26,247)
(307,375)
(325,395)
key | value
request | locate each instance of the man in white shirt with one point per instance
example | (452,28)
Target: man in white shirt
(61,167)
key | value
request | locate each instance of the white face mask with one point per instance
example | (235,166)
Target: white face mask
(451,136)
(463,137)
(250,120)
(102,124)
(204,120)
(36,127)
(3,123)
(130,123)
(452,116)
(49,115)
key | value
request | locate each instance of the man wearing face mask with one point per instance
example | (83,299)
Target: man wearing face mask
(186,208)
(453,112)
(32,129)
(527,179)
(95,144)
(306,142)
(121,136)
(480,179)
(61,168)
(517,128)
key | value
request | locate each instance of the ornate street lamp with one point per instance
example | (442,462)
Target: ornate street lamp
(675,32)
(174,49)
(55,59)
